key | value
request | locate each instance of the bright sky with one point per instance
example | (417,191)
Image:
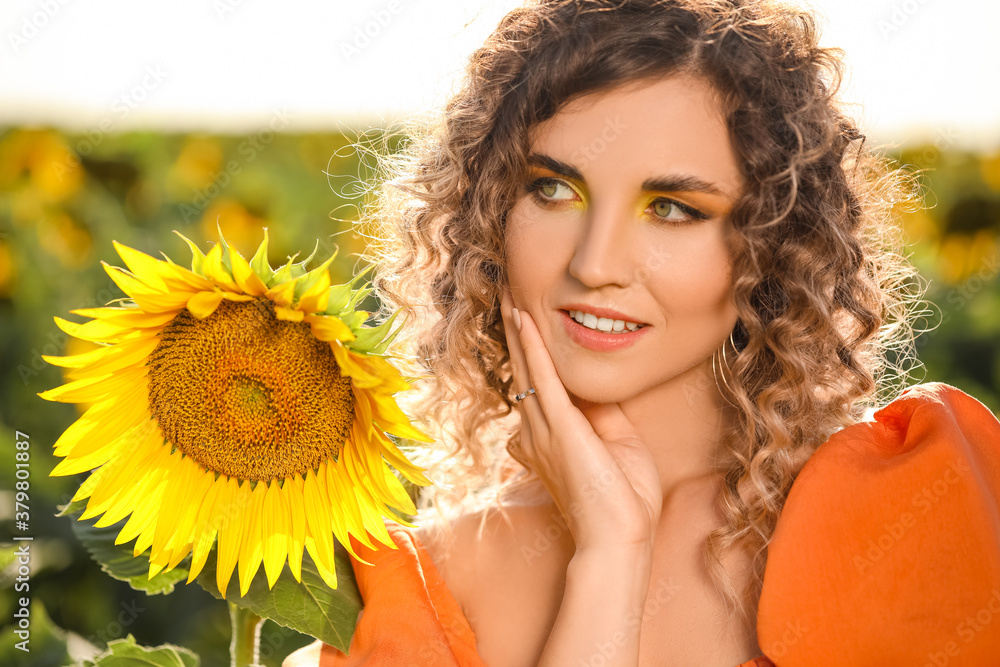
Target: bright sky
(920,68)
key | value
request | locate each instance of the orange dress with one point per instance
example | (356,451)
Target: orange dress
(887,553)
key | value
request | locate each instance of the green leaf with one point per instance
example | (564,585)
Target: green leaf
(126,653)
(310,607)
(117,559)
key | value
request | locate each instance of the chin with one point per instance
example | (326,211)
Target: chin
(583,390)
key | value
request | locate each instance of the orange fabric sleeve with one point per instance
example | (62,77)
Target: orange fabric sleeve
(887,551)
(409,618)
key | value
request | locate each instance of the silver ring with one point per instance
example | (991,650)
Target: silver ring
(520,397)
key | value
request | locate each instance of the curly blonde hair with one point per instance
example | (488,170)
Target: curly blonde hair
(825,296)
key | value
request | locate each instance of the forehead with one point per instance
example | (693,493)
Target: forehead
(672,124)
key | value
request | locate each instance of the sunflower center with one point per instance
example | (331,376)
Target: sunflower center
(248,395)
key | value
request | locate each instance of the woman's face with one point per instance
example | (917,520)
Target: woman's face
(625,210)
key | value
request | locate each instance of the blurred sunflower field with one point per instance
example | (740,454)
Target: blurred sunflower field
(65,197)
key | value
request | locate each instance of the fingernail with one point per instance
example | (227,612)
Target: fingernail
(517,318)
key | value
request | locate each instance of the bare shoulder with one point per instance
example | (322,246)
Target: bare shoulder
(506,568)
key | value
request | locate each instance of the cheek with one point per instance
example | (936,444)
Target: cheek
(534,248)
(695,279)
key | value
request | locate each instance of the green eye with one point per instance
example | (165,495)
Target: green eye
(663,208)
(553,189)
(673,211)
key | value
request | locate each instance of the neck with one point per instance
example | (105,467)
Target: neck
(683,422)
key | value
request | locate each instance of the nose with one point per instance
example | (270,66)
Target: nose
(604,252)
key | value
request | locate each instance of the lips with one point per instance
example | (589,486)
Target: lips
(599,341)
(609,313)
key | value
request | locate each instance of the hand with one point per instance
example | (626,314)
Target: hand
(600,475)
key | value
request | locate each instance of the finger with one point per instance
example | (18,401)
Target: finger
(558,411)
(528,406)
(541,372)
(518,451)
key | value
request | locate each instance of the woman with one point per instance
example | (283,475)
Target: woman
(646,253)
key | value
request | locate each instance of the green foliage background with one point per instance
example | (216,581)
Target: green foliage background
(63,198)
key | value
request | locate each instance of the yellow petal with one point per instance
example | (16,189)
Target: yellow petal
(292,491)
(276,525)
(329,328)
(204,527)
(180,279)
(179,483)
(216,272)
(128,283)
(326,572)
(204,304)
(96,330)
(247,280)
(342,498)
(316,298)
(141,265)
(371,514)
(282,293)
(231,505)
(119,356)
(184,535)
(288,314)
(318,522)
(252,549)
(94,389)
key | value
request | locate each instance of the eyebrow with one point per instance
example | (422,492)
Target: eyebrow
(676,183)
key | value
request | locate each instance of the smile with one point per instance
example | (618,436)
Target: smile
(601,340)
(605,324)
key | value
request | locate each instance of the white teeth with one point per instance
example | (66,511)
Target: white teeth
(604,324)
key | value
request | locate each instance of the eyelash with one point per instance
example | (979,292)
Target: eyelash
(535,186)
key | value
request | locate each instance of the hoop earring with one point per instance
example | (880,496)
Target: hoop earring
(727,391)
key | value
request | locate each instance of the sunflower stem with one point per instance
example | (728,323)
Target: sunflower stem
(245,647)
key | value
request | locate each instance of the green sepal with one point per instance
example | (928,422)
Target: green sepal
(354,319)
(260,265)
(197,256)
(366,339)
(226,259)
(340,295)
(289,271)
(384,345)
(308,259)
(309,280)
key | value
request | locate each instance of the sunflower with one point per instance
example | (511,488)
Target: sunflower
(239,403)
